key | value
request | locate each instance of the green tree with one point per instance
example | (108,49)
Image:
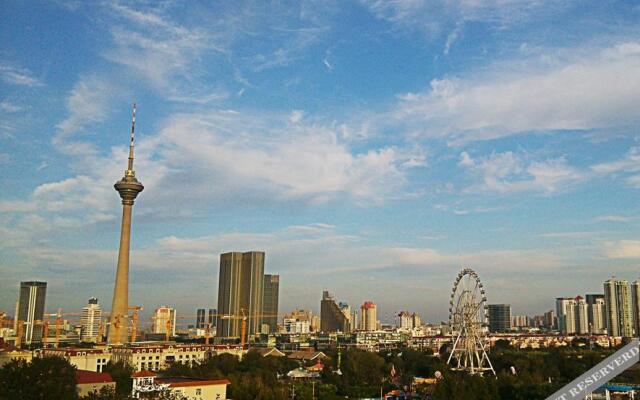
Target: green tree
(42,378)
(121,374)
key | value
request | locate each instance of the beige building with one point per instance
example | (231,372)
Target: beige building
(155,357)
(368,316)
(84,359)
(145,382)
(91,315)
(164,320)
(8,355)
(617,296)
(635,292)
(90,381)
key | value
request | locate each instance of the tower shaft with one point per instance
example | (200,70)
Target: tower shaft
(120,307)
(128,187)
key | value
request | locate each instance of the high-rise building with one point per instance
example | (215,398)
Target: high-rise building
(369,316)
(404,320)
(550,320)
(346,310)
(316,323)
(353,320)
(617,295)
(417,321)
(270,302)
(91,316)
(332,319)
(581,310)
(240,293)
(635,297)
(520,321)
(165,320)
(565,309)
(205,318)
(128,187)
(201,318)
(597,320)
(499,317)
(31,310)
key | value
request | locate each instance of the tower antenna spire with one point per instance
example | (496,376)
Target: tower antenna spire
(130,170)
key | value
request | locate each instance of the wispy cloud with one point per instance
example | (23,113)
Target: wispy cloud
(625,249)
(614,218)
(9,107)
(18,76)
(540,99)
(89,101)
(509,172)
(568,235)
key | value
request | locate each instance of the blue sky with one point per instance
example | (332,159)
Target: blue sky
(371,148)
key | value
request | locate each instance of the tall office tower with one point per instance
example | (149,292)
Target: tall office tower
(404,320)
(369,316)
(270,302)
(416,320)
(565,309)
(581,311)
(635,292)
(499,317)
(595,325)
(240,293)
(332,319)
(617,297)
(128,187)
(201,318)
(165,320)
(91,315)
(598,312)
(353,320)
(315,323)
(212,317)
(346,310)
(550,320)
(205,318)
(31,310)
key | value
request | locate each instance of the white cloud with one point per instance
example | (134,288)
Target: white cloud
(9,107)
(614,218)
(434,16)
(296,116)
(509,172)
(623,249)
(87,103)
(236,151)
(161,51)
(627,166)
(630,163)
(594,91)
(17,76)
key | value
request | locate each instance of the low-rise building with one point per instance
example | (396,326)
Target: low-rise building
(147,382)
(91,381)
(157,356)
(84,359)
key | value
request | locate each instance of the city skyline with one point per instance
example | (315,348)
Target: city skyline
(371,160)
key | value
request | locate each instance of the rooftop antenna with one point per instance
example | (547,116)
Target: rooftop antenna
(130,171)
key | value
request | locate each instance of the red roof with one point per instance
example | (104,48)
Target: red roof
(83,376)
(368,305)
(143,374)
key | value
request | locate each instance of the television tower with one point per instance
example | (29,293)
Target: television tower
(128,187)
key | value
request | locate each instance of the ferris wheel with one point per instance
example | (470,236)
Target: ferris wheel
(468,319)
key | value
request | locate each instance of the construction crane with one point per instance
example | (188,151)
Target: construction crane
(243,326)
(134,321)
